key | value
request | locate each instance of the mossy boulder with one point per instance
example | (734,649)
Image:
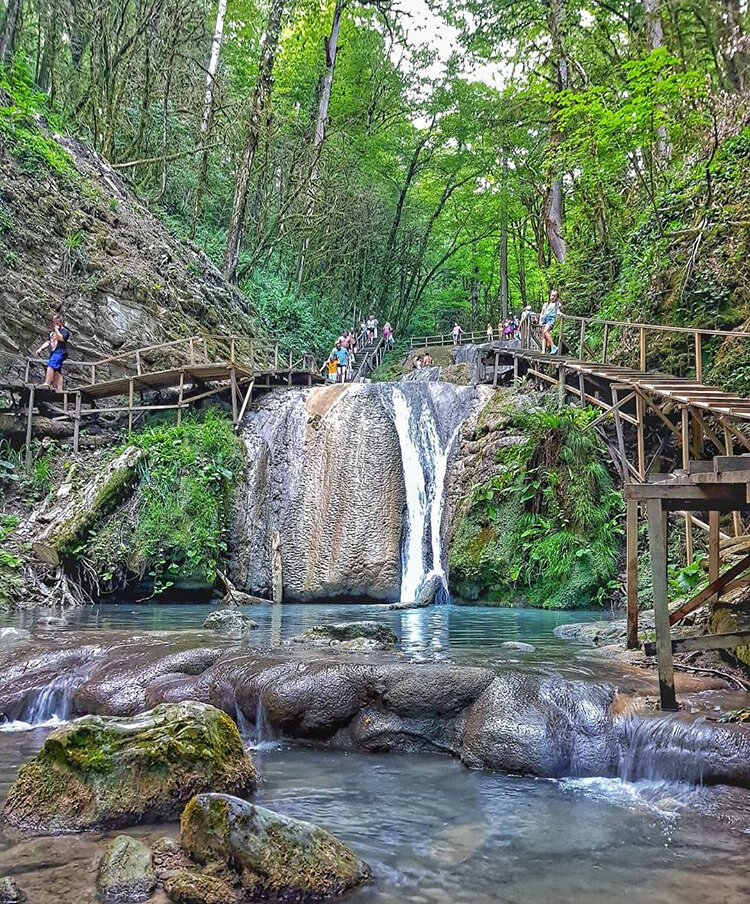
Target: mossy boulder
(110,772)
(231,622)
(350,637)
(126,873)
(272,856)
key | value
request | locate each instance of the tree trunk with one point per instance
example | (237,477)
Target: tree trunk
(10,30)
(655,40)
(49,50)
(208,110)
(504,245)
(331,49)
(258,113)
(734,55)
(553,203)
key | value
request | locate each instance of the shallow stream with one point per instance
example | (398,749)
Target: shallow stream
(434,832)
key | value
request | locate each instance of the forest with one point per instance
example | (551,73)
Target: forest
(424,161)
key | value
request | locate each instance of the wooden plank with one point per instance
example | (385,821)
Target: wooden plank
(658,546)
(631,572)
(717,585)
(704,642)
(698,358)
(642,347)
(641,442)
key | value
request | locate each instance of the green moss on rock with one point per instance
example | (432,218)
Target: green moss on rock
(107,772)
(273,856)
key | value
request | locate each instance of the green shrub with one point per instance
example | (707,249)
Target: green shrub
(546,529)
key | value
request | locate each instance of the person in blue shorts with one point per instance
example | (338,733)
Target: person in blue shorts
(58,352)
(549,314)
(343,355)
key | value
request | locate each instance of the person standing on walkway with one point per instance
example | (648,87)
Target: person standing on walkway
(343,358)
(372,328)
(547,318)
(388,335)
(457,332)
(58,352)
(490,333)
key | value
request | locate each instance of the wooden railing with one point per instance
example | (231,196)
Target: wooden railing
(590,338)
(372,360)
(447,339)
(250,354)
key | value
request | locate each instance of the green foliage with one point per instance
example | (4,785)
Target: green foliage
(546,528)
(186,479)
(20,104)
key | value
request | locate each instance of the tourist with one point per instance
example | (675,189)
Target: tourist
(388,335)
(342,354)
(490,332)
(510,328)
(500,328)
(332,368)
(427,360)
(372,328)
(416,363)
(457,332)
(547,318)
(58,348)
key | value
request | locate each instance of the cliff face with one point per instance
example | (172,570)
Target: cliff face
(74,238)
(325,471)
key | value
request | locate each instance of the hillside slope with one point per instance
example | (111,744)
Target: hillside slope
(73,237)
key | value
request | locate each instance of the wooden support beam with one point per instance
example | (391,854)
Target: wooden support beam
(713,548)
(704,642)
(29,425)
(685,450)
(180,397)
(698,358)
(246,401)
(631,571)
(658,546)
(620,403)
(605,343)
(495,374)
(130,407)
(642,348)
(620,436)
(717,585)
(561,385)
(640,435)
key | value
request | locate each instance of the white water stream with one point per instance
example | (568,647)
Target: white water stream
(424,457)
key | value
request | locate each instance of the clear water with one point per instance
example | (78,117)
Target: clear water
(434,832)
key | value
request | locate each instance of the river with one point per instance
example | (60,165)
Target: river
(435,832)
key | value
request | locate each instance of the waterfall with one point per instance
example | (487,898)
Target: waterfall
(425,454)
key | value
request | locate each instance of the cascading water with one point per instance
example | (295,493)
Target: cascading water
(425,453)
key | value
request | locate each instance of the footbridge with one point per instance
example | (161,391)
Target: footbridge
(165,376)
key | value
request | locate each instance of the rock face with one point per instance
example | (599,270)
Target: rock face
(105,772)
(348,636)
(273,856)
(128,282)
(126,873)
(230,622)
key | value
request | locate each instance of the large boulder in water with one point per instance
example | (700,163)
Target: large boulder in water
(108,772)
(126,873)
(349,636)
(231,622)
(273,856)
(430,592)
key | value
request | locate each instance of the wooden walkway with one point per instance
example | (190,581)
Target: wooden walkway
(699,427)
(161,377)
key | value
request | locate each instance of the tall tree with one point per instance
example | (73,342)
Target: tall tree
(258,111)
(9,31)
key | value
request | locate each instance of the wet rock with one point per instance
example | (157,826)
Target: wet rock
(190,886)
(10,893)
(274,856)
(231,622)
(430,592)
(105,772)
(352,636)
(126,873)
(518,646)
(236,597)
(13,636)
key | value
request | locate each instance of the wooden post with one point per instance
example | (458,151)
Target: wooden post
(516,373)
(698,359)
(29,424)
(631,571)
(252,355)
(77,423)
(231,350)
(729,450)
(560,335)
(93,374)
(276,568)
(582,340)
(642,344)
(685,448)
(658,546)
(582,389)
(497,361)
(27,372)
(605,343)
(713,547)
(233,382)
(130,406)
(180,397)
(138,361)
(246,401)
(191,350)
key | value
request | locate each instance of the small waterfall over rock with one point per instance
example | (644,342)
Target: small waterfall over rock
(352,478)
(425,451)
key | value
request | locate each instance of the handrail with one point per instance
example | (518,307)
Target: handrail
(374,353)
(663,328)
(447,339)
